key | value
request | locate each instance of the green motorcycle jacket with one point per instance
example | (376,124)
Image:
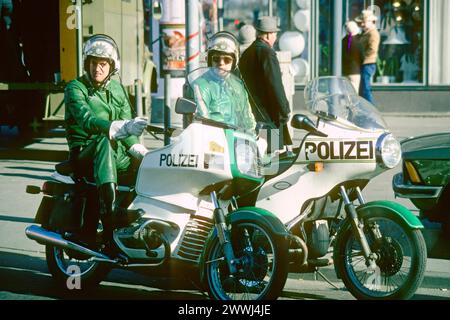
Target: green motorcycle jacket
(224,100)
(88,117)
(89,112)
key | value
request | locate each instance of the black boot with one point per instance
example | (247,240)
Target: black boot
(112,216)
(120,217)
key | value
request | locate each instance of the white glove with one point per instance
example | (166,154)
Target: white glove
(122,129)
(138,151)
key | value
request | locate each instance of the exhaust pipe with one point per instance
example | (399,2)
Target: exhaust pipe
(43,236)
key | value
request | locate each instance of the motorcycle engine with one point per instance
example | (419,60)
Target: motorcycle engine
(147,235)
(139,237)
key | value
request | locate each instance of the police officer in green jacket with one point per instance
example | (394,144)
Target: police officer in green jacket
(221,96)
(101,133)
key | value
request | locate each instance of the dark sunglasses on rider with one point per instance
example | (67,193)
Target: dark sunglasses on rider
(226,59)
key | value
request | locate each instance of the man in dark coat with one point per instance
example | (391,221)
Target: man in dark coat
(261,72)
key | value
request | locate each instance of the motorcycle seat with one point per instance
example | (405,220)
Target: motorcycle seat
(127,179)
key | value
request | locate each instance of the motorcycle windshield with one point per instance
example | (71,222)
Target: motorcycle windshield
(335,98)
(221,96)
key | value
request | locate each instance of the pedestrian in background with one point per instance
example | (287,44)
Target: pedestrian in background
(370,41)
(351,54)
(261,72)
(246,36)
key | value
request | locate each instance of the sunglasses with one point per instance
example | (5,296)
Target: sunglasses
(226,59)
(102,64)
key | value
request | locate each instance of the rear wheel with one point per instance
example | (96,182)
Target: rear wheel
(73,270)
(262,264)
(401,259)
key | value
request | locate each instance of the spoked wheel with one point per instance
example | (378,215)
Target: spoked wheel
(73,270)
(261,260)
(400,263)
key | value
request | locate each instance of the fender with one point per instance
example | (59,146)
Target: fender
(399,210)
(378,206)
(261,216)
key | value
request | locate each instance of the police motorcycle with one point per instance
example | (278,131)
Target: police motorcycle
(191,224)
(377,248)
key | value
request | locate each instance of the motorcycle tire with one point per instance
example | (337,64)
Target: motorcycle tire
(65,272)
(262,260)
(401,259)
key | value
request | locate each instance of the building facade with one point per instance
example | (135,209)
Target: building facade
(413,69)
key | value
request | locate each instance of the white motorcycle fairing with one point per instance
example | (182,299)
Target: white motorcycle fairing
(345,154)
(197,158)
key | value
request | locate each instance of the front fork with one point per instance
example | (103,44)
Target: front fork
(358,227)
(223,234)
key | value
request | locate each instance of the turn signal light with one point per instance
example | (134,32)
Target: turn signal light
(412,172)
(33,190)
(316,166)
(47,188)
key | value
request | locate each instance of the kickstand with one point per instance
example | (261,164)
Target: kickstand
(317,272)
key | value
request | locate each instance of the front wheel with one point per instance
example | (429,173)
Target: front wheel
(400,264)
(262,265)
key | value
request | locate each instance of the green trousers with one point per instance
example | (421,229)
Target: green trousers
(101,160)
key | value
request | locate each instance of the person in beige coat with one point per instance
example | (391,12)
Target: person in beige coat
(370,42)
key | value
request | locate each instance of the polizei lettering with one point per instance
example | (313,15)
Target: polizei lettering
(179,160)
(340,150)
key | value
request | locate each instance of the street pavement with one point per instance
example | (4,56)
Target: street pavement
(23,270)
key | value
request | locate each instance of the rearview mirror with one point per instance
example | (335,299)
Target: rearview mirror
(300,121)
(185,106)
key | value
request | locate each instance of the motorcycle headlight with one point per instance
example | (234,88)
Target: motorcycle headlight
(247,157)
(389,152)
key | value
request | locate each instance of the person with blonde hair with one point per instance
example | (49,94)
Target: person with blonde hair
(370,42)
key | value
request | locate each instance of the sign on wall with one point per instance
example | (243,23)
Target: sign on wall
(173,49)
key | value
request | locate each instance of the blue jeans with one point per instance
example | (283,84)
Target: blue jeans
(367,72)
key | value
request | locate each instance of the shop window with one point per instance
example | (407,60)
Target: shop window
(439,39)
(294,23)
(401,27)
(325,37)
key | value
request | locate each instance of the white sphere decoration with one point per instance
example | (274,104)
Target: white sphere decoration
(303,4)
(301,67)
(292,41)
(301,20)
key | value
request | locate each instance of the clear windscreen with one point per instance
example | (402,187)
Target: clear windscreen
(221,96)
(336,98)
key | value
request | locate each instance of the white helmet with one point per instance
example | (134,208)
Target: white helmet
(102,46)
(225,43)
